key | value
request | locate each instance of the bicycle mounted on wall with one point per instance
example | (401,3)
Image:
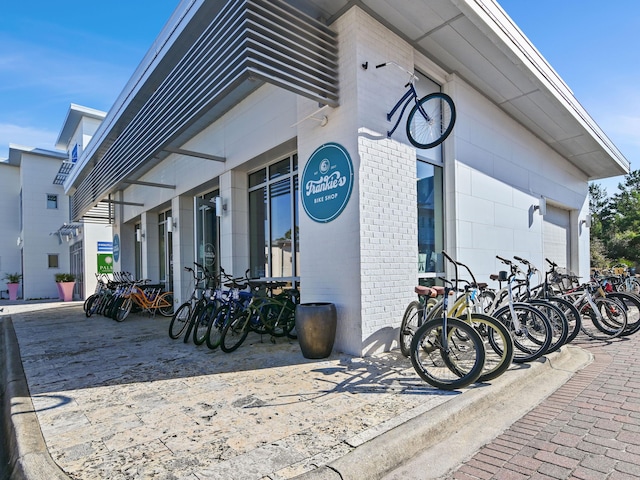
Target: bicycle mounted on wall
(431,119)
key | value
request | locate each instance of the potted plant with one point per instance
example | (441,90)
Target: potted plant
(65,283)
(13,283)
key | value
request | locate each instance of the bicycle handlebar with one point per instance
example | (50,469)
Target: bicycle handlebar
(410,73)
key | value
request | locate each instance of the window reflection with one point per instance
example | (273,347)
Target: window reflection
(430,221)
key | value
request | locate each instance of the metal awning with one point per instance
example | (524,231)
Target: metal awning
(63,172)
(241,46)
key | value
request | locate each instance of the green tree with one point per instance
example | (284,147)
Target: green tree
(615,230)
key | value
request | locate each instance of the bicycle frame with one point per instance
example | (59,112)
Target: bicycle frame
(411,93)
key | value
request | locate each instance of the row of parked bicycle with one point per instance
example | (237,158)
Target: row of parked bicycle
(118,294)
(221,311)
(466,332)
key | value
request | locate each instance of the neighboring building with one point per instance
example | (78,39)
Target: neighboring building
(39,240)
(212,153)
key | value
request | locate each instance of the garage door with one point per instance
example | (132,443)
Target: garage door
(556,236)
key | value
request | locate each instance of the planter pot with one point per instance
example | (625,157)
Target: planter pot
(13,290)
(65,290)
(316,328)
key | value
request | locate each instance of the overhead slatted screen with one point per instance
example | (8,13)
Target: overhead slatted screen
(247,43)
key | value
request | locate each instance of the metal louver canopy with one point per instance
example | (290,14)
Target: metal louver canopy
(247,43)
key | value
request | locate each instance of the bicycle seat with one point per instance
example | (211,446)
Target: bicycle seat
(431,292)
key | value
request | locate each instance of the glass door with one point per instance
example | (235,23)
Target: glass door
(207,240)
(165,237)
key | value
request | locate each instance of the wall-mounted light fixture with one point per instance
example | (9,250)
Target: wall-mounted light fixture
(586,221)
(139,236)
(169,224)
(221,206)
(541,207)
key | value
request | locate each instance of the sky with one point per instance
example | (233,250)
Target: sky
(53,54)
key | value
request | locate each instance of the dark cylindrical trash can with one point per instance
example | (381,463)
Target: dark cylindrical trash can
(316,328)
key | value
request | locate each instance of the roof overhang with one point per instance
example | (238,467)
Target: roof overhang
(75,114)
(478,41)
(16,152)
(180,87)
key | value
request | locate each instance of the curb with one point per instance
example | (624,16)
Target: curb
(447,435)
(29,457)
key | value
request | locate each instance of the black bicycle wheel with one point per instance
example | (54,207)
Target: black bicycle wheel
(431,120)
(631,304)
(530,331)
(88,304)
(180,320)
(572,315)
(201,324)
(235,331)
(558,321)
(411,321)
(214,330)
(457,365)
(122,309)
(608,322)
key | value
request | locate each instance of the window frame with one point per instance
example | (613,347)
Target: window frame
(270,179)
(53,197)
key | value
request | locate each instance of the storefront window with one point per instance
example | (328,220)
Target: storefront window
(165,249)
(430,219)
(273,220)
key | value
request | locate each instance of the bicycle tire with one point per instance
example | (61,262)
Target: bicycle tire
(179,320)
(201,323)
(88,305)
(411,321)
(457,367)
(235,331)
(534,335)
(164,309)
(498,345)
(282,320)
(432,130)
(572,315)
(631,304)
(611,322)
(195,314)
(559,323)
(214,329)
(122,309)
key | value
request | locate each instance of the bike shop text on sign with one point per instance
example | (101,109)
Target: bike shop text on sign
(327,182)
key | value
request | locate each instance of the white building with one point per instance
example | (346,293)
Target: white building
(235,99)
(39,240)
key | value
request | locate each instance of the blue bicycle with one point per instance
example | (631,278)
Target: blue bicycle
(431,119)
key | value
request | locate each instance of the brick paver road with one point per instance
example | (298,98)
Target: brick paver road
(588,429)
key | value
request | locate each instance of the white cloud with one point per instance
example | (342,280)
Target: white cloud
(27,136)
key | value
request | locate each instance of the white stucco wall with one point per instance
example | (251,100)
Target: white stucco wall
(10,221)
(36,177)
(500,171)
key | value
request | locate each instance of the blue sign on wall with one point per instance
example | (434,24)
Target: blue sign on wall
(105,247)
(327,182)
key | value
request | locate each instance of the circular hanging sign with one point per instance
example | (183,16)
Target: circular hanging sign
(116,247)
(327,182)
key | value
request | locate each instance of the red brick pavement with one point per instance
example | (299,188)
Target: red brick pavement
(588,429)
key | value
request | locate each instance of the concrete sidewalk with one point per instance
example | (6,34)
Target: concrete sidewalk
(123,400)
